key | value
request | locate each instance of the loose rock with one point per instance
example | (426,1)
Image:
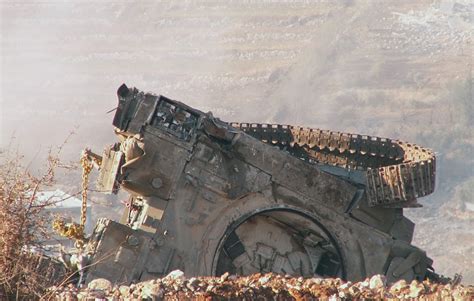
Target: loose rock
(377,281)
(100,284)
(175,286)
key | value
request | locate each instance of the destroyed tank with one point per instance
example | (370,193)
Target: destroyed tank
(209,197)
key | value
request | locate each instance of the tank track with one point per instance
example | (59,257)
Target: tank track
(396,172)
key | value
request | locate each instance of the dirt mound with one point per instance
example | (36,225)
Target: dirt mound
(263,287)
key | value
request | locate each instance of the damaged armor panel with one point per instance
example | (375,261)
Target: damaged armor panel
(210,197)
(109,170)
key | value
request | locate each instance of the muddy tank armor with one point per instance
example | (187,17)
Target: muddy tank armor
(209,197)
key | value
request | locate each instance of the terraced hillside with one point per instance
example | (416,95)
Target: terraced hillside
(399,70)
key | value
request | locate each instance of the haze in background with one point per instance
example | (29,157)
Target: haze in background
(399,70)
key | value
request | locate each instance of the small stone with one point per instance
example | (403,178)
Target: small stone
(192,284)
(264,280)
(345,285)
(224,276)
(415,289)
(82,296)
(101,284)
(176,275)
(149,290)
(124,290)
(365,283)
(354,290)
(377,281)
(398,286)
(317,281)
(233,277)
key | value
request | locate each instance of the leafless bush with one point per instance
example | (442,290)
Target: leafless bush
(24,272)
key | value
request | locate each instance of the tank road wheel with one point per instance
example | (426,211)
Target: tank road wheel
(280,241)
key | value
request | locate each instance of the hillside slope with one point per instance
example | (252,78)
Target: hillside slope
(399,70)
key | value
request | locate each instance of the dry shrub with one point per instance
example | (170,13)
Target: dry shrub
(24,272)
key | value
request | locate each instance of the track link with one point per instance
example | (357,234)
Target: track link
(397,172)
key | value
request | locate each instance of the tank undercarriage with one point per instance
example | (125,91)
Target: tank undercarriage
(209,197)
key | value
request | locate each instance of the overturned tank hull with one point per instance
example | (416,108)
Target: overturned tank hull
(209,197)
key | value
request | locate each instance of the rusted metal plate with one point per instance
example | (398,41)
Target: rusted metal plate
(111,162)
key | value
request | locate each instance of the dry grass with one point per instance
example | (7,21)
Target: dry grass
(24,271)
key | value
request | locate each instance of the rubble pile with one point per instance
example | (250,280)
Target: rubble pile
(263,287)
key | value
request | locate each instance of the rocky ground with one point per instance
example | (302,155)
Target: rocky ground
(262,287)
